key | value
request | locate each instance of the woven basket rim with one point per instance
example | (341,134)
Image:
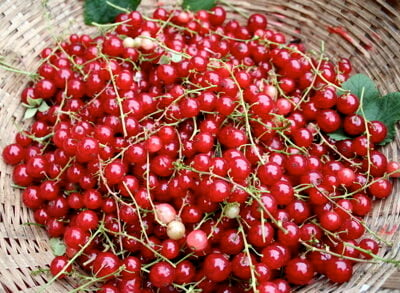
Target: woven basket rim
(29,26)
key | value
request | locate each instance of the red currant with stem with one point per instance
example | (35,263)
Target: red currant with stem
(197,240)
(162,274)
(339,270)
(299,271)
(60,264)
(217,267)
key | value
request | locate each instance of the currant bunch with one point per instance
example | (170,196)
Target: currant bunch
(190,153)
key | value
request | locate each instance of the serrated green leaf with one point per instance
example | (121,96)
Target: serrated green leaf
(359,83)
(99,11)
(338,135)
(386,110)
(29,113)
(43,107)
(195,5)
(34,102)
(57,246)
(374,107)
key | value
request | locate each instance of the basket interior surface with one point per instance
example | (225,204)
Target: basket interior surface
(27,27)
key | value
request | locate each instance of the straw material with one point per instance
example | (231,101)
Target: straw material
(28,26)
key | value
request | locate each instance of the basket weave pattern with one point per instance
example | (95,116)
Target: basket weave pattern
(28,26)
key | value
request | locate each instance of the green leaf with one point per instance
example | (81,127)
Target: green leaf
(99,11)
(164,59)
(359,83)
(374,107)
(29,113)
(176,58)
(196,5)
(338,135)
(57,246)
(386,110)
(43,107)
(34,102)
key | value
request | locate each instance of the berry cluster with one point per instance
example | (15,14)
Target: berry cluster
(188,153)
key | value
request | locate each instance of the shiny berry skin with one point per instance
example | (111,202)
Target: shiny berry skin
(31,197)
(219,190)
(260,235)
(75,237)
(283,192)
(239,168)
(325,98)
(231,242)
(269,173)
(241,265)
(114,172)
(256,22)
(197,240)
(222,162)
(339,270)
(184,272)
(381,188)
(330,221)
(167,73)
(170,248)
(347,104)
(378,131)
(328,120)
(268,287)
(299,271)
(369,245)
(291,236)
(132,267)
(354,124)
(105,264)
(87,220)
(44,89)
(58,265)
(273,257)
(49,190)
(217,267)
(13,154)
(161,274)
(87,149)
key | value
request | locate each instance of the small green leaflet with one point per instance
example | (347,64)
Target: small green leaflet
(195,5)
(57,246)
(357,82)
(375,107)
(43,107)
(99,11)
(30,113)
(338,135)
(176,58)
(168,59)
(387,110)
(34,105)
(34,102)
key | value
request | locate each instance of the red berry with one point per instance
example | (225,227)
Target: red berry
(59,267)
(162,274)
(217,267)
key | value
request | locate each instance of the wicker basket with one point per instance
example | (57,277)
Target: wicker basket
(27,26)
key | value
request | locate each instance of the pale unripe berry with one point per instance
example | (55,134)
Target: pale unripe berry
(232,210)
(176,230)
(165,213)
(271,91)
(129,42)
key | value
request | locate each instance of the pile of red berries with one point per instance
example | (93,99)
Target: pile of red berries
(189,153)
